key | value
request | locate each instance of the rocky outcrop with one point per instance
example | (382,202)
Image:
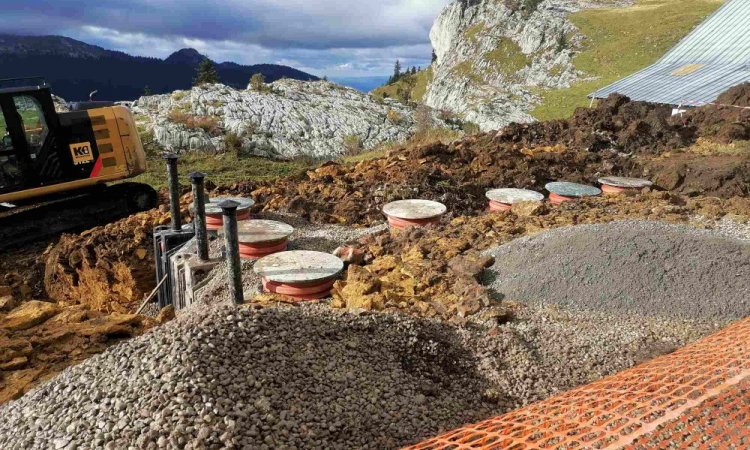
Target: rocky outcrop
(285,119)
(493,56)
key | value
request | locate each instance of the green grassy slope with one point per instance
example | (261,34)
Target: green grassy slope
(622,41)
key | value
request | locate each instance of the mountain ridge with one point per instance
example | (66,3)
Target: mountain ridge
(75,68)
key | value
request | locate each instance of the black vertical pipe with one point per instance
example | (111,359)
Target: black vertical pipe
(199,221)
(174,191)
(229,208)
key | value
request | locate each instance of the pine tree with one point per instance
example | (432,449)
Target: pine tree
(207,73)
(396,72)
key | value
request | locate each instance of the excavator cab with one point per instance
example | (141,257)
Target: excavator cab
(28,125)
(61,157)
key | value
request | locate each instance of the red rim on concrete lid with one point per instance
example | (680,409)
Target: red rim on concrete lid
(510,196)
(299,267)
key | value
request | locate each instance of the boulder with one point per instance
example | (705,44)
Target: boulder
(29,315)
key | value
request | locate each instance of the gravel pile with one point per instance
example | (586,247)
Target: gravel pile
(308,377)
(629,267)
(270,379)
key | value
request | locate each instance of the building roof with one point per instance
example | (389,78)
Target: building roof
(711,59)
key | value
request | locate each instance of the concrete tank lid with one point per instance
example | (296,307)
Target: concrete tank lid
(299,267)
(568,189)
(510,196)
(212,207)
(414,209)
(625,182)
(256,231)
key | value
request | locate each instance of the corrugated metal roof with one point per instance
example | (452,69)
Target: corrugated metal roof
(708,61)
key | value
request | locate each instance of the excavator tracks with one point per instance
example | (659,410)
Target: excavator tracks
(76,211)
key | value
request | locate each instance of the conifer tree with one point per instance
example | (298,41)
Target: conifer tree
(207,73)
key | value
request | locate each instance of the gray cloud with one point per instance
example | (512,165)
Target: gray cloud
(321,35)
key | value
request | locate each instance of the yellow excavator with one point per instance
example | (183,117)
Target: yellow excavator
(55,167)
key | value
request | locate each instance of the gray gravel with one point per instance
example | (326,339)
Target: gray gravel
(308,377)
(270,379)
(629,267)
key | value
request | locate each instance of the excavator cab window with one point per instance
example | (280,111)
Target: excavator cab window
(34,125)
(10,170)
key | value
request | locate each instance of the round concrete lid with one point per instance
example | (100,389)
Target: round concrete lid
(299,267)
(212,207)
(625,182)
(567,189)
(414,209)
(510,196)
(262,231)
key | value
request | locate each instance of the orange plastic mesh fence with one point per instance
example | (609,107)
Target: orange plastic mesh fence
(696,397)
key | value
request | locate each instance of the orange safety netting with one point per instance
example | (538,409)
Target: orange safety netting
(696,397)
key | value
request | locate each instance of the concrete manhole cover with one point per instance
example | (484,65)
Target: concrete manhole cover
(263,231)
(212,207)
(299,267)
(414,209)
(627,183)
(510,196)
(576,190)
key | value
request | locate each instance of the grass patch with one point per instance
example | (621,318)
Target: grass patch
(225,168)
(708,147)
(474,31)
(209,124)
(507,57)
(409,89)
(621,41)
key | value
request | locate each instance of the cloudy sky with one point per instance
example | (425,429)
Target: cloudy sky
(338,38)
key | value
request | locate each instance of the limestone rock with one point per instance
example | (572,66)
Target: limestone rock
(292,118)
(528,209)
(28,315)
(493,57)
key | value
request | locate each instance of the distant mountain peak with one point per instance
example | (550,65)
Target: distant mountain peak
(185,56)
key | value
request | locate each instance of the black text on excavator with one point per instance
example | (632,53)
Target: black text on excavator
(54,167)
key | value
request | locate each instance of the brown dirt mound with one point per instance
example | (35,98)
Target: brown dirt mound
(727,120)
(40,339)
(432,272)
(618,137)
(108,268)
(689,174)
(458,175)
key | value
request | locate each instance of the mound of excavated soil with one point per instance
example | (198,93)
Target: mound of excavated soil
(618,137)
(721,175)
(723,121)
(433,272)
(641,267)
(108,268)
